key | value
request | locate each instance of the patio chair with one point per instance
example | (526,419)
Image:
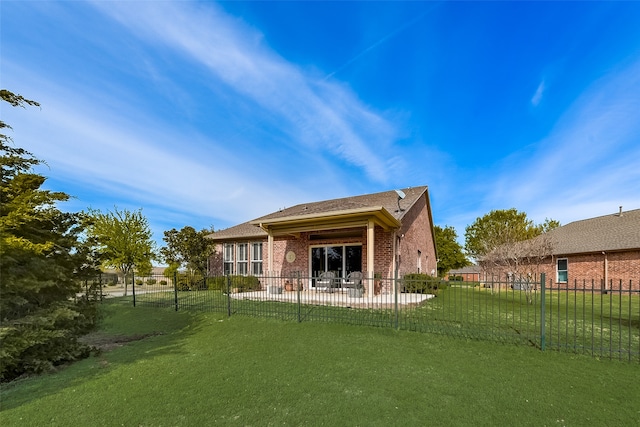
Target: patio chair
(327,280)
(354,280)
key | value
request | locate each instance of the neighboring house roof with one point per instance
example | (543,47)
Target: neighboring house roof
(158,270)
(616,232)
(383,207)
(469,269)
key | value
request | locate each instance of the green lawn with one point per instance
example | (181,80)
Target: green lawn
(607,326)
(207,369)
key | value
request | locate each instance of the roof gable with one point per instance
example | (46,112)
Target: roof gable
(387,200)
(383,207)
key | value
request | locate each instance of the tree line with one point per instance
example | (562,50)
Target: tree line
(501,238)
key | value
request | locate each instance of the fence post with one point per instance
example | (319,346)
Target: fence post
(133,287)
(175,289)
(395,297)
(543,280)
(299,301)
(228,295)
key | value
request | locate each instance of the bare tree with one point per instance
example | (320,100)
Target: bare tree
(520,261)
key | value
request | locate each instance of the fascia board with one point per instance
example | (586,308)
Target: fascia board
(324,221)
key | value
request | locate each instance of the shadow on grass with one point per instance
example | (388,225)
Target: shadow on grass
(125,335)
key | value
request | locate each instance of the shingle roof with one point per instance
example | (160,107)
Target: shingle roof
(246,230)
(387,199)
(469,269)
(605,233)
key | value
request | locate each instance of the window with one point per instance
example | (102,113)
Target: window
(419,263)
(243,267)
(256,259)
(228,258)
(563,270)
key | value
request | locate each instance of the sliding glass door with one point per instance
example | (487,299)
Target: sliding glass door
(339,259)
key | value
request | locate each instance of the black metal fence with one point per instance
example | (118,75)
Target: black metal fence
(578,317)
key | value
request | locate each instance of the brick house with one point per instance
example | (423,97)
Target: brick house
(604,249)
(376,234)
(470,273)
(594,253)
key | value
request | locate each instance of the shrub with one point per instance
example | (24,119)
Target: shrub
(218,283)
(188,282)
(151,281)
(240,283)
(456,279)
(245,283)
(163,282)
(418,283)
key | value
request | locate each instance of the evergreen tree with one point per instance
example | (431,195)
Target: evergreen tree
(42,256)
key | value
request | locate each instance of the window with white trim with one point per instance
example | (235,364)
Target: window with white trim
(256,259)
(228,259)
(243,259)
(562,270)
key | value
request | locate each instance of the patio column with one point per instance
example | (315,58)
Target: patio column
(270,251)
(270,263)
(371,243)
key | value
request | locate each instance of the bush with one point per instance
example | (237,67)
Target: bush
(456,278)
(139,282)
(239,283)
(218,283)
(418,283)
(188,282)
(245,283)
(163,282)
(151,282)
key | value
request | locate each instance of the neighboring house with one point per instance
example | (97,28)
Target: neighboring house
(377,234)
(114,275)
(470,273)
(594,253)
(604,249)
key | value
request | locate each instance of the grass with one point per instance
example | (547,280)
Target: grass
(607,326)
(207,369)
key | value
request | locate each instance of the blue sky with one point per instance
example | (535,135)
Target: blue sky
(211,114)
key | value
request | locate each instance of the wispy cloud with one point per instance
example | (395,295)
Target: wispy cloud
(191,61)
(588,164)
(537,97)
(319,115)
(135,157)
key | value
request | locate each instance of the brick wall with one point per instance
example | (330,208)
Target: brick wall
(417,237)
(589,269)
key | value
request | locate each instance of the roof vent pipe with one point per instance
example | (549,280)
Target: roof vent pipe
(620,214)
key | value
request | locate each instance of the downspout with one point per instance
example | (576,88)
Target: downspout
(605,273)
(396,260)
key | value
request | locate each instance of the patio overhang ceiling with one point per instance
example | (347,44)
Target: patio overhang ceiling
(350,218)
